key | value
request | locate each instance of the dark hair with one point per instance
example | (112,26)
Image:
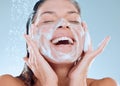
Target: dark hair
(27,75)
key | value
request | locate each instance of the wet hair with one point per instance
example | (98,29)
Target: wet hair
(27,75)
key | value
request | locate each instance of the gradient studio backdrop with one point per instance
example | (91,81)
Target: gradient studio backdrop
(102,16)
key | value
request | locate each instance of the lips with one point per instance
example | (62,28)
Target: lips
(62,41)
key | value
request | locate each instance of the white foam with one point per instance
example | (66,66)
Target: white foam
(87,41)
(44,43)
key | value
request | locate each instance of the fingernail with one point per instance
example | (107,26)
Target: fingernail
(108,38)
(25,59)
(25,35)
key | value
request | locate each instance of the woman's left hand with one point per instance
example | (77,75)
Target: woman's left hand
(78,73)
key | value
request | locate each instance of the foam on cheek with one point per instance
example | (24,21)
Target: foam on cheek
(71,55)
(44,41)
(75,53)
(78,34)
(48,36)
(87,41)
(44,38)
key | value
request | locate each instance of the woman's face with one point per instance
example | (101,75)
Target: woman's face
(58,31)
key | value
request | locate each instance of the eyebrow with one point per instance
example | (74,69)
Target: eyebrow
(72,12)
(47,12)
(52,12)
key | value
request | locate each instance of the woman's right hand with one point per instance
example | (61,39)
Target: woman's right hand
(39,66)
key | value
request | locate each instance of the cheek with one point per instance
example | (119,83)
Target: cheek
(46,31)
(45,28)
(81,37)
(82,43)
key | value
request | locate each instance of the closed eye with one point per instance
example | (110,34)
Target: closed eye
(48,21)
(74,22)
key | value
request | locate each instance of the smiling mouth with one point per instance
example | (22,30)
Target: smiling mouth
(63,41)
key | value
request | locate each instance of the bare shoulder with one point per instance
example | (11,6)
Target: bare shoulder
(8,80)
(102,82)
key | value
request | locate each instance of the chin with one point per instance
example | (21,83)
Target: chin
(62,54)
(60,61)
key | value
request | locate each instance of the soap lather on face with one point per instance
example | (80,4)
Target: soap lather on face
(50,51)
(60,36)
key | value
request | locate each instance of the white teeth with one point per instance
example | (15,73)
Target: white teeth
(55,41)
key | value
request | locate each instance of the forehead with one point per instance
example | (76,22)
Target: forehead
(57,6)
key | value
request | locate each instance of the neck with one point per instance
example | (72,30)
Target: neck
(62,71)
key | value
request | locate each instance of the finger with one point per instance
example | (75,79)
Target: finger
(31,61)
(88,58)
(92,55)
(102,46)
(33,31)
(35,50)
(31,57)
(31,44)
(26,61)
(30,49)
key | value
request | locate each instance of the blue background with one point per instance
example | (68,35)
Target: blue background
(102,17)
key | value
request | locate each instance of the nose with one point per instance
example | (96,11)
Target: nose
(63,24)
